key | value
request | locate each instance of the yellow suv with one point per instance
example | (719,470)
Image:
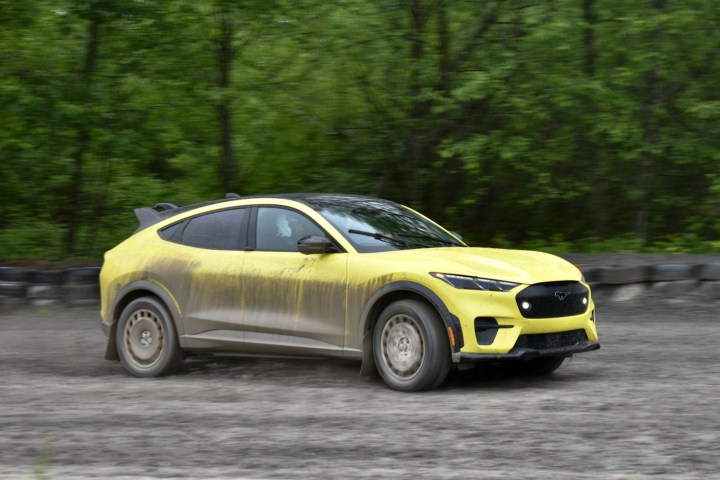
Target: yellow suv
(334,275)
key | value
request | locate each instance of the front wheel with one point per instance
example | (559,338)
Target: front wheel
(146,340)
(410,347)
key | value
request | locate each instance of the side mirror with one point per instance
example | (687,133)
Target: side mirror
(315,244)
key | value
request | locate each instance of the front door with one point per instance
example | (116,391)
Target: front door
(292,302)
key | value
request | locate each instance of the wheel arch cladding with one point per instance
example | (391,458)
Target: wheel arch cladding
(391,293)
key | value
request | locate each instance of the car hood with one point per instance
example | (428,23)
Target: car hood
(519,266)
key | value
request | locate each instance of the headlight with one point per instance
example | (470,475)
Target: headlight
(475,283)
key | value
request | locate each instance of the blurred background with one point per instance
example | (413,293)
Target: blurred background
(583,125)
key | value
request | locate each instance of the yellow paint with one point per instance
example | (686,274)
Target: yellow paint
(322,297)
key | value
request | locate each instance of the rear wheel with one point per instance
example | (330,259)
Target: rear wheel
(146,340)
(410,346)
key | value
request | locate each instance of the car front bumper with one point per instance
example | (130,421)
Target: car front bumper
(526,353)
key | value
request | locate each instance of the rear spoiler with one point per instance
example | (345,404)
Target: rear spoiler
(148,216)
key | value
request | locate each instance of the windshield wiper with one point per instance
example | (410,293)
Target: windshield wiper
(433,238)
(380,236)
(415,238)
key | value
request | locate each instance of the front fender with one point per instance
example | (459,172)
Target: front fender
(391,292)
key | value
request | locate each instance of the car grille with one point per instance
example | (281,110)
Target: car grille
(554,299)
(547,341)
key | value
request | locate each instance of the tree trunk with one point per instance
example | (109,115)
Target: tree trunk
(444,181)
(648,161)
(647,158)
(588,145)
(83,134)
(590,54)
(225,56)
(418,107)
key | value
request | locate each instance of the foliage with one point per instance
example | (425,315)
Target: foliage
(554,125)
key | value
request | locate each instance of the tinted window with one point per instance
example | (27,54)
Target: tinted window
(216,231)
(374,225)
(279,229)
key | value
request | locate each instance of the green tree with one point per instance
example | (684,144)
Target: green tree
(512,122)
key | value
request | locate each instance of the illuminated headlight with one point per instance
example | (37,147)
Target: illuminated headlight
(475,283)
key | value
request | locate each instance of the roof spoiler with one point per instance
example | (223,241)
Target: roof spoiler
(151,215)
(148,216)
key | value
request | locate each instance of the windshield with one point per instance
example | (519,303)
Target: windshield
(374,225)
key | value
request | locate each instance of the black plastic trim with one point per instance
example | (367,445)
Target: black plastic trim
(529,353)
(448,318)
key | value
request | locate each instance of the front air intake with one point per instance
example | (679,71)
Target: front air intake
(550,341)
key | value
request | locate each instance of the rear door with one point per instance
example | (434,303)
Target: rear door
(203,272)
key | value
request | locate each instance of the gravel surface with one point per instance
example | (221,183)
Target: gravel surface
(645,406)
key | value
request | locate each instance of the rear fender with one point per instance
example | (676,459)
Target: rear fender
(137,289)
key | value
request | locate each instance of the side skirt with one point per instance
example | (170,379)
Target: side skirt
(232,341)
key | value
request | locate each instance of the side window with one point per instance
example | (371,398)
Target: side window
(279,229)
(215,231)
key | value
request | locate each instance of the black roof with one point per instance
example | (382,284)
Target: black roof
(148,216)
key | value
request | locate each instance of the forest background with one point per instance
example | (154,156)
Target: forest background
(585,125)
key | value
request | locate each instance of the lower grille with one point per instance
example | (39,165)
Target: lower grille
(548,341)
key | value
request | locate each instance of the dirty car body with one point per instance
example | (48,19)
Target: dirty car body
(333,275)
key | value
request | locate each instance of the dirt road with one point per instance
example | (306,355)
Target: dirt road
(643,407)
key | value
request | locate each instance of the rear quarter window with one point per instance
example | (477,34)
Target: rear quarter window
(221,230)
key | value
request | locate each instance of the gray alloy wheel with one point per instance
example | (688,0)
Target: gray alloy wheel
(411,347)
(146,340)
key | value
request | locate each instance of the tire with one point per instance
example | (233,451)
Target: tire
(711,271)
(672,272)
(410,346)
(87,294)
(82,276)
(619,275)
(45,277)
(14,274)
(13,290)
(146,341)
(537,367)
(591,274)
